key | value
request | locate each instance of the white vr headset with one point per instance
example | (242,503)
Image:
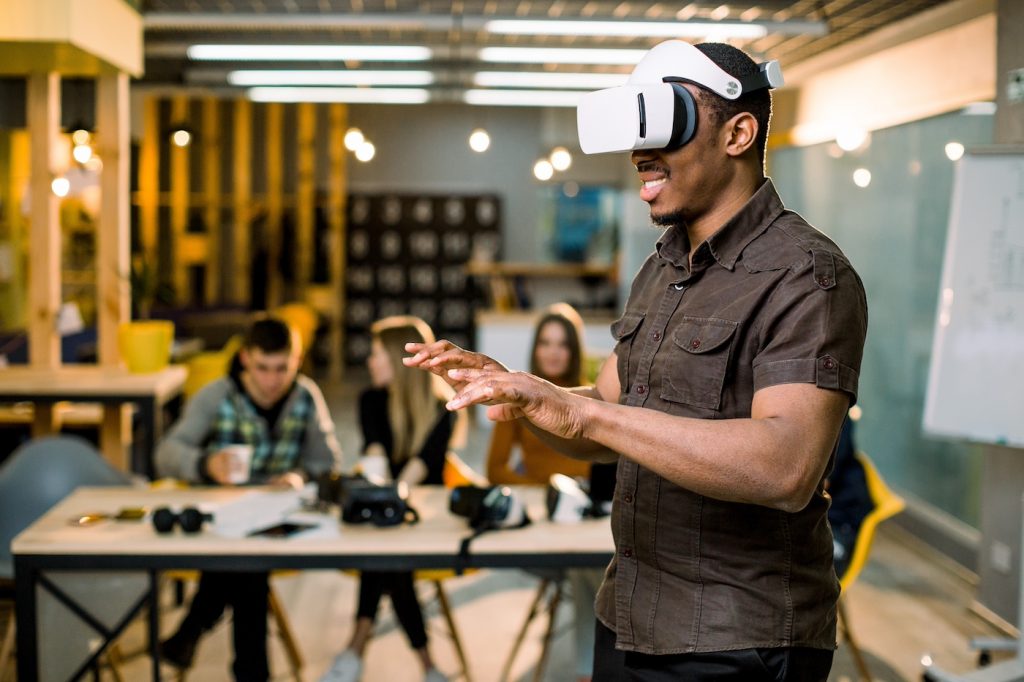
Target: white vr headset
(653,110)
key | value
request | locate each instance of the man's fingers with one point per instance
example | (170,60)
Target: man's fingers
(504,412)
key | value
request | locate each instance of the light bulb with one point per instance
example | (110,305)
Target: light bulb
(862,177)
(543,170)
(80,136)
(353,138)
(82,153)
(954,151)
(561,159)
(366,151)
(60,186)
(181,137)
(479,140)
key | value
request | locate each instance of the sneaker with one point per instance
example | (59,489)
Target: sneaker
(178,650)
(347,667)
(435,675)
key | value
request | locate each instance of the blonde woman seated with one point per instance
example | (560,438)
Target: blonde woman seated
(557,356)
(404,420)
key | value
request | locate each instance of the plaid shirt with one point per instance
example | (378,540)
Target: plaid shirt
(275,452)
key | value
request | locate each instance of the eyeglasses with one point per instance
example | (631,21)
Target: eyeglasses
(190,519)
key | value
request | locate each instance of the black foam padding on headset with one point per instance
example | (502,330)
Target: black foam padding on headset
(163,520)
(684,118)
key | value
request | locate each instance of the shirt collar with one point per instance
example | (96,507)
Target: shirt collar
(728,242)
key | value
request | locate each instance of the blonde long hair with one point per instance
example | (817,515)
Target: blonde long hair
(414,395)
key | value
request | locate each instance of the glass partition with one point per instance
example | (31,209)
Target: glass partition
(886,204)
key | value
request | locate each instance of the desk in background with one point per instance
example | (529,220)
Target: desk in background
(52,544)
(94,384)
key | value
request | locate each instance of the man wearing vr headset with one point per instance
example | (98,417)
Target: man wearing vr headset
(737,357)
(265,403)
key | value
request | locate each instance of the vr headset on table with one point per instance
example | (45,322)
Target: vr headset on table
(488,508)
(362,501)
(653,110)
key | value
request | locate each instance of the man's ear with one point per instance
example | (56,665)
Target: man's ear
(243,357)
(740,133)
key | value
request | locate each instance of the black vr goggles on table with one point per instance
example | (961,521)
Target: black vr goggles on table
(653,110)
(362,501)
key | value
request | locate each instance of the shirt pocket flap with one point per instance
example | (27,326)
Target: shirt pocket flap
(702,334)
(626,325)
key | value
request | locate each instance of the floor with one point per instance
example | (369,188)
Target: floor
(908,602)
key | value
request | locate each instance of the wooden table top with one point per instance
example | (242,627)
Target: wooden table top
(90,381)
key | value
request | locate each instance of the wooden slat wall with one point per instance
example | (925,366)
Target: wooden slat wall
(305,194)
(275,200)
(336,194)
(179,203)
(149,179)
(242,244)
(211,149)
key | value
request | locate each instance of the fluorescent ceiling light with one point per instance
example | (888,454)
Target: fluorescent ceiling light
(523,98)
(560,55)
(285,53)
(523,79)
(350,95)
(330,77)
(651,29)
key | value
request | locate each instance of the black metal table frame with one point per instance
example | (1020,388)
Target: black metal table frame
(29,573)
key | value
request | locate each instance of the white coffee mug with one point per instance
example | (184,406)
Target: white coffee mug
(239,463)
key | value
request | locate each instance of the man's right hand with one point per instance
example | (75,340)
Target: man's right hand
(441,356)
(218,466)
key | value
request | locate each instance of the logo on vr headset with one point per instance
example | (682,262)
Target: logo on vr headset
(652,111)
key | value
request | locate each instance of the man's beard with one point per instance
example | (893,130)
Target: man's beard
(667,220)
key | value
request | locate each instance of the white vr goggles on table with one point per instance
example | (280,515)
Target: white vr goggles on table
(653,110)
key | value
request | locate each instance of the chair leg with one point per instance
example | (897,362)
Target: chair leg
(7,648)
(284,631)
(556,598)
(858,657)
(535,609)
(446,609)
(114,659)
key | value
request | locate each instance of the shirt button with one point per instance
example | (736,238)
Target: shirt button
(656,335)
(695,344)
(628,498)
(628,553)
(829,363)
(641,389)
(824,281)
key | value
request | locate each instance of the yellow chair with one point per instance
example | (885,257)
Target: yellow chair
(886,504)
(209,365)
(303,320)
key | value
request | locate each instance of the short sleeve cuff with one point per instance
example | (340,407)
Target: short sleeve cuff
(824,372)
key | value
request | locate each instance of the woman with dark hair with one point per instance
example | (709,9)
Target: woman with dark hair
(556,355)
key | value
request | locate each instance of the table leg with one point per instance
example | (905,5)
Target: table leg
(149,415)
(154,623)
(25,617)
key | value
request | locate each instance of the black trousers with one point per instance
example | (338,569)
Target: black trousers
(247,595)
(399,585)
(745,665)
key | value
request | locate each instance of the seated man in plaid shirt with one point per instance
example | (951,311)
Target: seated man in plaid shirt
(263,403)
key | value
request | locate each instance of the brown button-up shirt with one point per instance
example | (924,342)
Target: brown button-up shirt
(767,300)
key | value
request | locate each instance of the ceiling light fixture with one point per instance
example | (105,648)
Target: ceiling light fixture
(542,170)
(353,138)
(348,95)
(297,53)
(354,77)
(560,158)
(650,29)
(523,98)
(525,79)
(561,55)
(479,140)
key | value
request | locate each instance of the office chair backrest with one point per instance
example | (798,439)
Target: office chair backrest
(40,474)
(886,504)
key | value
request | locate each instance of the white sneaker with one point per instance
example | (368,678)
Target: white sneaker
(435,675)
(347,667)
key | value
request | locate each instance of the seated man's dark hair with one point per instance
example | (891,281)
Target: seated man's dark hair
(269,335)
(738,64)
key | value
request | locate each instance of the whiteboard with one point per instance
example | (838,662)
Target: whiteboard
(976,378)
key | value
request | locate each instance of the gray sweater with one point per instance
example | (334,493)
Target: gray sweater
(179,453)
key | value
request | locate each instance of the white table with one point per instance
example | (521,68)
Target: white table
(53,544)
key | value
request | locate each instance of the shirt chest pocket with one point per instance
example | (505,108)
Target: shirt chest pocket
(697,361)
(624,330)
